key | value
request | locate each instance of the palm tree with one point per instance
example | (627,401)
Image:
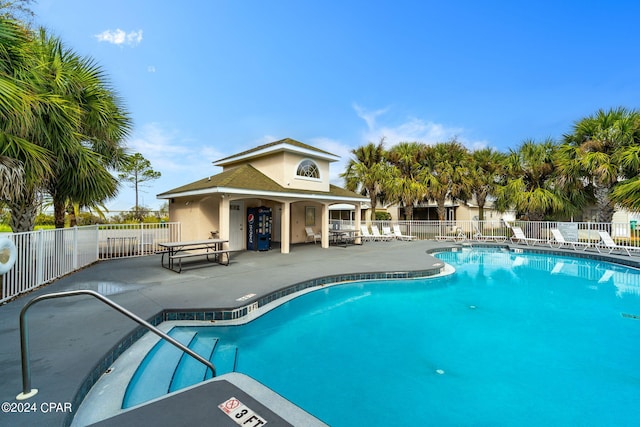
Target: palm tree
(447,174)
(368,173)
(20,160)
(532,186)
(409,185)
(627,192)
(82,129)
(592,152)
(486,171)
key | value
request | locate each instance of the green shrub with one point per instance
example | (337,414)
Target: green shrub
(383,216)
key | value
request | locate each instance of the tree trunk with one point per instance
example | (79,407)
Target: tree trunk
(442,211)
(374,204)
(59,210)
(23,212)
(408,211)
(606,208)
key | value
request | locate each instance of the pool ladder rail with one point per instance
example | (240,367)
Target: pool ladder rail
(28,392)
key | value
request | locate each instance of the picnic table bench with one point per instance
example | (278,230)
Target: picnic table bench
(176,251)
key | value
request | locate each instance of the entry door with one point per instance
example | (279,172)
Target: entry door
(236,226)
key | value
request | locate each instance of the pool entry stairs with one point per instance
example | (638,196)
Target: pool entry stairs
(166,369)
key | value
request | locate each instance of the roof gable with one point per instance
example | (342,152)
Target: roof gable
(287,144)
(246,177)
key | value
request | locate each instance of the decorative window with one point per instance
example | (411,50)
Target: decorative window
(308,169)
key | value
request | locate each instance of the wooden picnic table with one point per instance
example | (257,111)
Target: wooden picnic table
(176,251)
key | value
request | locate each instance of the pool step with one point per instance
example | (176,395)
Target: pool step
(166,368)
(224,359)
(156,370)
(190,371)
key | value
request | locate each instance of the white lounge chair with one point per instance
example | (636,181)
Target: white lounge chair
(399,235)
(558,239)
(606,242)
(386,231)
(453,233)
(312,236)
(477,234)
(364,234)
(375,231)
(520,237)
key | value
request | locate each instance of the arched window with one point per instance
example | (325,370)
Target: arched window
(308,169)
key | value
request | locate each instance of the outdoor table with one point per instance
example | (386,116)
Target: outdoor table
(343,236)
(177,251)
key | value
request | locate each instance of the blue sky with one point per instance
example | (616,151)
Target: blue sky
(206,79)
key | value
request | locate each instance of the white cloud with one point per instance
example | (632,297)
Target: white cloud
(412,129)
(151,69)
(120,37)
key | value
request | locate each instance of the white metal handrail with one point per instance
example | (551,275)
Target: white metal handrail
(28,392)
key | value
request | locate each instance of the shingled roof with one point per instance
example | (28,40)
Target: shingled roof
(265,147)
(246,177)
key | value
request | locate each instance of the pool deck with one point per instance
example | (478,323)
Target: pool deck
(68,336)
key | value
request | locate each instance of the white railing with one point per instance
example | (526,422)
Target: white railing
(625,234)
(45,255)
(48,254)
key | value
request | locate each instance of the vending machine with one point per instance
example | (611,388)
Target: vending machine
(259,229)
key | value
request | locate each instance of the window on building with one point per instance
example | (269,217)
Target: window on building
(308,169)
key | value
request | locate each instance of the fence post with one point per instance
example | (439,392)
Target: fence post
(75,247)
(40,251)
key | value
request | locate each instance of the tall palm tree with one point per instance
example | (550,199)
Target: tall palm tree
(447,174)
(627,192)
(487,172)
(591,153)
(21,161)
(83,131)
(81,173)
(531,187)
(409,185)
(368,173)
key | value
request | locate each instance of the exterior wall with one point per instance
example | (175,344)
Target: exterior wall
(293,181)
(298,220)
(282,167)
(199,217)
(272,166)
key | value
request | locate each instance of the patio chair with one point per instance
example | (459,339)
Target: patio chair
(558,239)
(311,235)
(607,242)
(375,231)
(386,231)
(365,235)
(520,237)
(453,233)
(399,235)
(477,234)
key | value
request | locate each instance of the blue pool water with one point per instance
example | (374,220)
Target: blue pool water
(509,339)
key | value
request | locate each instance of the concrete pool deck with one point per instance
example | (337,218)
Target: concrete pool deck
(68,336)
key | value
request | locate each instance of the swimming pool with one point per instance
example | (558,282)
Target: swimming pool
(510,339)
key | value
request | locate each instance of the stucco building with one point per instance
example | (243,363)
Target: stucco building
(288,177)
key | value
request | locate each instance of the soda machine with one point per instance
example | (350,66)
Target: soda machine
(259,229)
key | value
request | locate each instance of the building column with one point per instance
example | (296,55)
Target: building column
(356,223)
(285,228)
(324,221)
(223,219)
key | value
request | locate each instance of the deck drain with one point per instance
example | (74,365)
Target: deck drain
(631,316)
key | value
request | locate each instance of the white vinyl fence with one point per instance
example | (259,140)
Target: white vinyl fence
(45,255)
(623,233)
(48,254)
